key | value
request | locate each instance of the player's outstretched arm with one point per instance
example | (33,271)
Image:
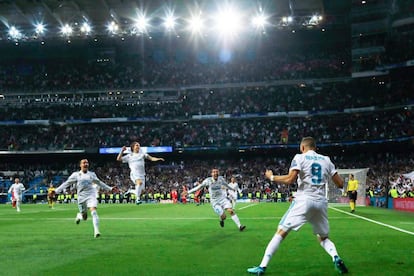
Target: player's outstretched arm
(152,158)
(288,179)
(100,183)
(71,180)
(119,156)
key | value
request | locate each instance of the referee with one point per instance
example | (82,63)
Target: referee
(352,189)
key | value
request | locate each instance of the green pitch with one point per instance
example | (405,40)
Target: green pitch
(166,239)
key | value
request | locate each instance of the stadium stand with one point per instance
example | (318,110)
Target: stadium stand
(354,94)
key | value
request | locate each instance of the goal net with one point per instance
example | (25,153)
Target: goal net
(336,195)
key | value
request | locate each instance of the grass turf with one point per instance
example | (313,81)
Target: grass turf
(166,239)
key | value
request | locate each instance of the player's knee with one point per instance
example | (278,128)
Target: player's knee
(322,238)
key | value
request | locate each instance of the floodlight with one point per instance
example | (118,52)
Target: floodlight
(66,30)
(195,23)
(315,20)
(259,21)
(169,22)
(112,27)
(142,23)
(14,32)
(228,21)
(85,28)
(39,28)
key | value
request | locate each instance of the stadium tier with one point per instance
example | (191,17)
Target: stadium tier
(343,77)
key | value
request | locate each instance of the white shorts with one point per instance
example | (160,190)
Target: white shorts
(88,202)
(220,205)
(135,177)
(306,210)
(232,196)
(18,198)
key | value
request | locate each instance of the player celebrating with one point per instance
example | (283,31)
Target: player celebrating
(16,189)
(219,201)
(136,163)
(233,193)
(84,181)
(312,171)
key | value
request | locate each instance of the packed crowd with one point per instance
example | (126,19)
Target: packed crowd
(342,127)
(332,113)
(240,100)
(384,169)
(157,67)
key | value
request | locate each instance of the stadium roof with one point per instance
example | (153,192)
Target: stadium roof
(19,17)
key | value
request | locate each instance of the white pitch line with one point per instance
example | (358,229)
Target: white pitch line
(247,206)
(374,221)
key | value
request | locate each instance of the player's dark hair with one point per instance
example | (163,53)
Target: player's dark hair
(133,144)
(309,142)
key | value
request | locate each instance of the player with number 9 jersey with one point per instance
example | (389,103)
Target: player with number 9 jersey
(312,172)
(315,170)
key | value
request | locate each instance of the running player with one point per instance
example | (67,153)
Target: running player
(136,162)
(84,181)
(219,200)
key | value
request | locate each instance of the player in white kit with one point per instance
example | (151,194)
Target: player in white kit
(218,198)
(84,181)
(136,162)
(233,193)
(16,189)
(312,172)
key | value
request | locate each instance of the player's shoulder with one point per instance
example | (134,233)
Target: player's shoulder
(207,180)
(75,173)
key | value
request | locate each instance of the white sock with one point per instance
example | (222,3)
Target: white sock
(329,247)
(138,191)
(271,249)
(18,206)
(95,220)
(236,220)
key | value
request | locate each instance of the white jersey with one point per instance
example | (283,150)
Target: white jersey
(136,163)
(84,184)
(17,190)
(214,188)
(235,187)
(315,170)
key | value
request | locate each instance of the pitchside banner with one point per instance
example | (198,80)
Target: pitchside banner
(116,150)
(403,204)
